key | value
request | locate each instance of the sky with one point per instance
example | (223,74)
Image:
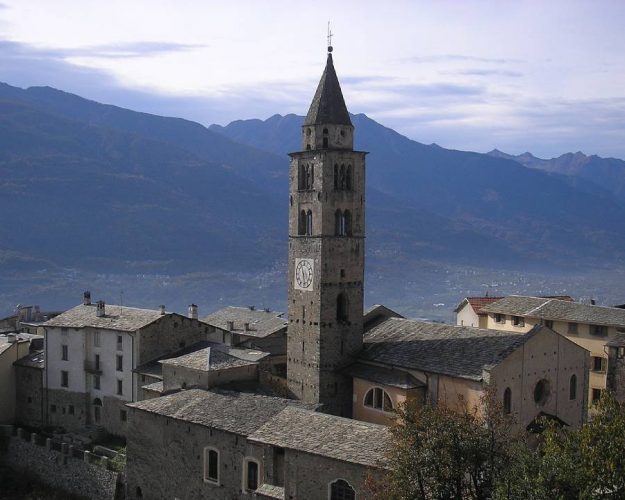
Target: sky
(541,76)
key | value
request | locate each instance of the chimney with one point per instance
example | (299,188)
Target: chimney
(162,309)
(252,308)
(86,298)
(11,338)
(592,302)
(230,325)
(246,327)
(193,311)
(100,309)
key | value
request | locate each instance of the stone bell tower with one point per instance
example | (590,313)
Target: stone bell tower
(326,252)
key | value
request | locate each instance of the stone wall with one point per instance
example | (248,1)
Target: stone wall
(112,418)
(29,400)
(67,409)
(616,373)
(68,469)
(165,459)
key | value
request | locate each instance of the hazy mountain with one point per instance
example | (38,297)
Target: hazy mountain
(98,187)
(609,173)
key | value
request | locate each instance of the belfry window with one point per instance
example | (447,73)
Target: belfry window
(341,490)
(301,223)
(379,399)
(342,306)
(309,223)
(343,177)
(325,137)
(306,175)
(342,223)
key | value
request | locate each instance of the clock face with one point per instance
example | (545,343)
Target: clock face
(304,269)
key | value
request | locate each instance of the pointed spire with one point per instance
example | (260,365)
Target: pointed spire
(328,105)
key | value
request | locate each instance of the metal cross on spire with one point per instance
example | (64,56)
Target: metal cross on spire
(329,38)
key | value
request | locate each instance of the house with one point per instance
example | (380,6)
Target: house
(91,352)
(541,372)
(590,326)
(29,389)
(470,311)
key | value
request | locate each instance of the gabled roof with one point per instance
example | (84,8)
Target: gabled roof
(326,435)
(458,351)
(122,318)
(237,412)
(476,303)
(376,314)
(559,310)
(216,356)
(328,105)
(261,323)
(382,375)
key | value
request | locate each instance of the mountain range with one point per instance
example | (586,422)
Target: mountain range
(93,186)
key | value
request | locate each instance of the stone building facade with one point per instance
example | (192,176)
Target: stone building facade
(326,251)
(29,390)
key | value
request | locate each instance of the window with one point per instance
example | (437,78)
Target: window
(64,378)
(211,465)
(348,178)
(70,409)
(336,177)
(572,329)
(250,475)
(341,490)
(301,223)
(52,408)
(120,363)
(518,321)
(541,391)
(120,387)
(379,399)
(596,396)
(64,353)
(97,409)
(549,323)
(573,387)
(96,339)
(500,318)
(97,361)
(338,223)
(309,226)
(123,415)
(598,364)
(342,307)
(599,330)
(120,342)
(507,401)
(96,382)
(306,176)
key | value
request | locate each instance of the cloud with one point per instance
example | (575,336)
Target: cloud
(446,58)
(490,72)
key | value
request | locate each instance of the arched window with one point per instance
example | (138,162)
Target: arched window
(379,399)
(301,224)
(507,401)
(341,490)
(309,226)
(310,177)
(342,177)
(348,178)
(338,222)
(301,176)
(347,223)
(573,387)
(342,305)
(336,177)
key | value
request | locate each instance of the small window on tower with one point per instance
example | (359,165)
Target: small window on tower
(342,308)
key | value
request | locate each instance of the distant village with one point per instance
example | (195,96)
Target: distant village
(109,401)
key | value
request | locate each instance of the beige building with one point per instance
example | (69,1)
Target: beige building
(589,326)
(540,373)
(12,348)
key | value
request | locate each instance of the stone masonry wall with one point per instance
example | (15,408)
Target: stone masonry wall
(67,409)
(60,470)
(29,399)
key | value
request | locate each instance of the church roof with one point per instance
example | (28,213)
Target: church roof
(328,105)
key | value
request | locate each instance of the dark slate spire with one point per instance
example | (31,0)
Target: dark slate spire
(328,105)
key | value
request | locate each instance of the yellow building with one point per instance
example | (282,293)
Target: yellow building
(589,326)
(539,373)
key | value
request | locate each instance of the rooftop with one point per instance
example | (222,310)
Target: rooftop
(326,435)
(384,376)
(261,323)
(478,303)
(216,357)
(559,310)
(237,412)
(36,359)
(458,351)
(128,319)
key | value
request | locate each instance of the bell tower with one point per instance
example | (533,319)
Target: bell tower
(326,252)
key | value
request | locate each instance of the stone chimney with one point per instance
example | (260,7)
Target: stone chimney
(246,327)
(100,309)
(162,309)
(193,311)
(11,338)
(86,298)
(230,325)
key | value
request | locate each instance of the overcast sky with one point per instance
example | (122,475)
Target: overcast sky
(545,76)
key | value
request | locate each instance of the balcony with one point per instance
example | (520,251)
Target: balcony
(93,367)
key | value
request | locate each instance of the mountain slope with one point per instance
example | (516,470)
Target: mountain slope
(609,173)
(537,215)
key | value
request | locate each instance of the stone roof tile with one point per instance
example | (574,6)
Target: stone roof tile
(122,318)
(261,323)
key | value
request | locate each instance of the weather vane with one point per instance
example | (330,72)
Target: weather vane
(329,38)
